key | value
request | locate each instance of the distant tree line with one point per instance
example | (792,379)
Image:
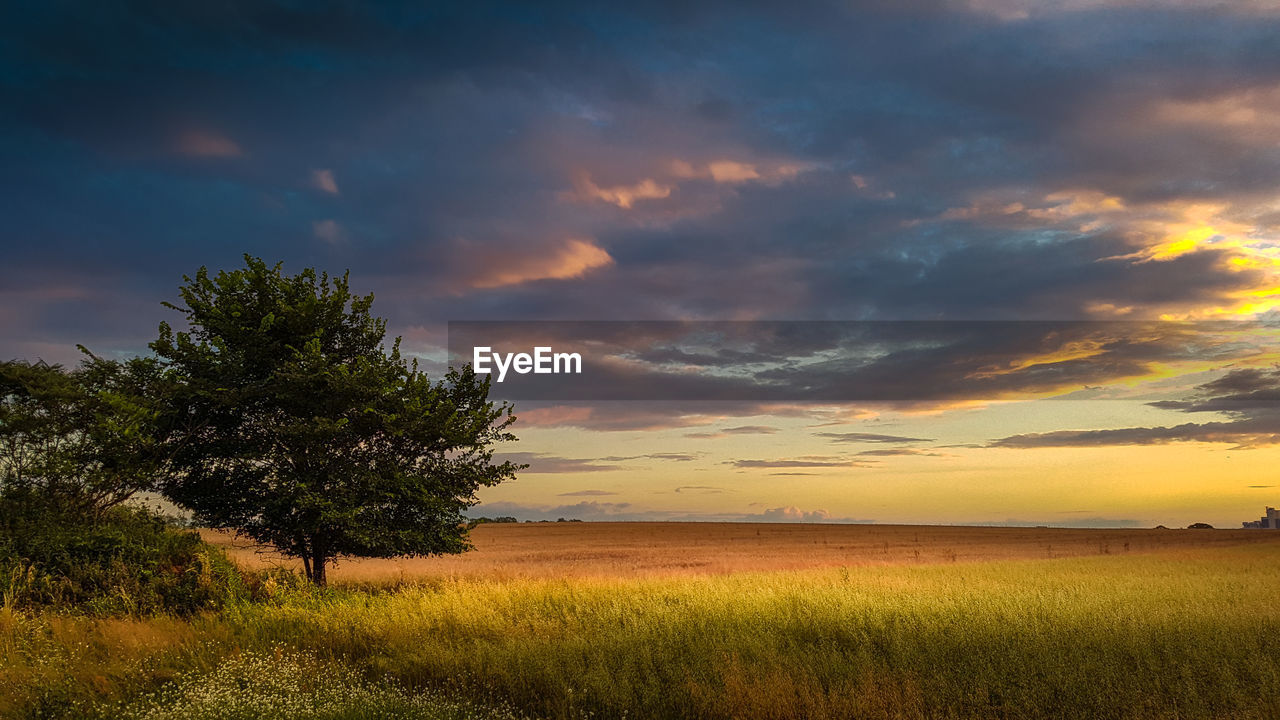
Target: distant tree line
(500,519)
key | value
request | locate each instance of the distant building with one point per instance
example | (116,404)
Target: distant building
(1270,521)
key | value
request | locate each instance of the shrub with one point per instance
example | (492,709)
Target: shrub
(121,560)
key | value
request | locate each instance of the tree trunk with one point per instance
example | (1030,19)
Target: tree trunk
(318,561)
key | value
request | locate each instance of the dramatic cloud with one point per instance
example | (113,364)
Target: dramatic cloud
(927,167)
(1249,397)
(926,363)
(1115,161)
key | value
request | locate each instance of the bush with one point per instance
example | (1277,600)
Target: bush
(123,560)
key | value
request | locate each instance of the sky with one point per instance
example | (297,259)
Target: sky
(1108,170)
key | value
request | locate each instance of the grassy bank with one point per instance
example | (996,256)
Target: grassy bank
(1190,633)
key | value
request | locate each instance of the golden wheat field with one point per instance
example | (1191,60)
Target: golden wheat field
(714,621)
(572,549)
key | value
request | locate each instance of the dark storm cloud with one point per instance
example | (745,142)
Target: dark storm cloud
(648,160)
(1250,398)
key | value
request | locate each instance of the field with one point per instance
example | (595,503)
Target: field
(628,550)
(706,621)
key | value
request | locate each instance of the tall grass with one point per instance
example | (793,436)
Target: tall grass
(1191,634)
(284,685)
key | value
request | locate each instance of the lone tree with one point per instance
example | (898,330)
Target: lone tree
(290,423)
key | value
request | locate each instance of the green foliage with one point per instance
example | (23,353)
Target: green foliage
(290,423)
(119,560)
(501,519)
(86,437)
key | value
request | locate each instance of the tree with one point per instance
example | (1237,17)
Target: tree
(291,424)
(84,439)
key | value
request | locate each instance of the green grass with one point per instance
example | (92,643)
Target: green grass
(1194,634)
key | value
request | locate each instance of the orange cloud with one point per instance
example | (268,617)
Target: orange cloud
(573,259)
(624,196)
(728,171)
(733,171)
(1082,207)
(1106,309)
(1178,227)
(1068,351)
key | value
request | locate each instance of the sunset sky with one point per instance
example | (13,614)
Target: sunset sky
(905,160)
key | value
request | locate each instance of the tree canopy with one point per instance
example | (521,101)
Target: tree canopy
(84,438)
(287,420)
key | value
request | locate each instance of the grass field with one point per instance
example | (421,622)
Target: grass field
(675,621)
(556,550)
